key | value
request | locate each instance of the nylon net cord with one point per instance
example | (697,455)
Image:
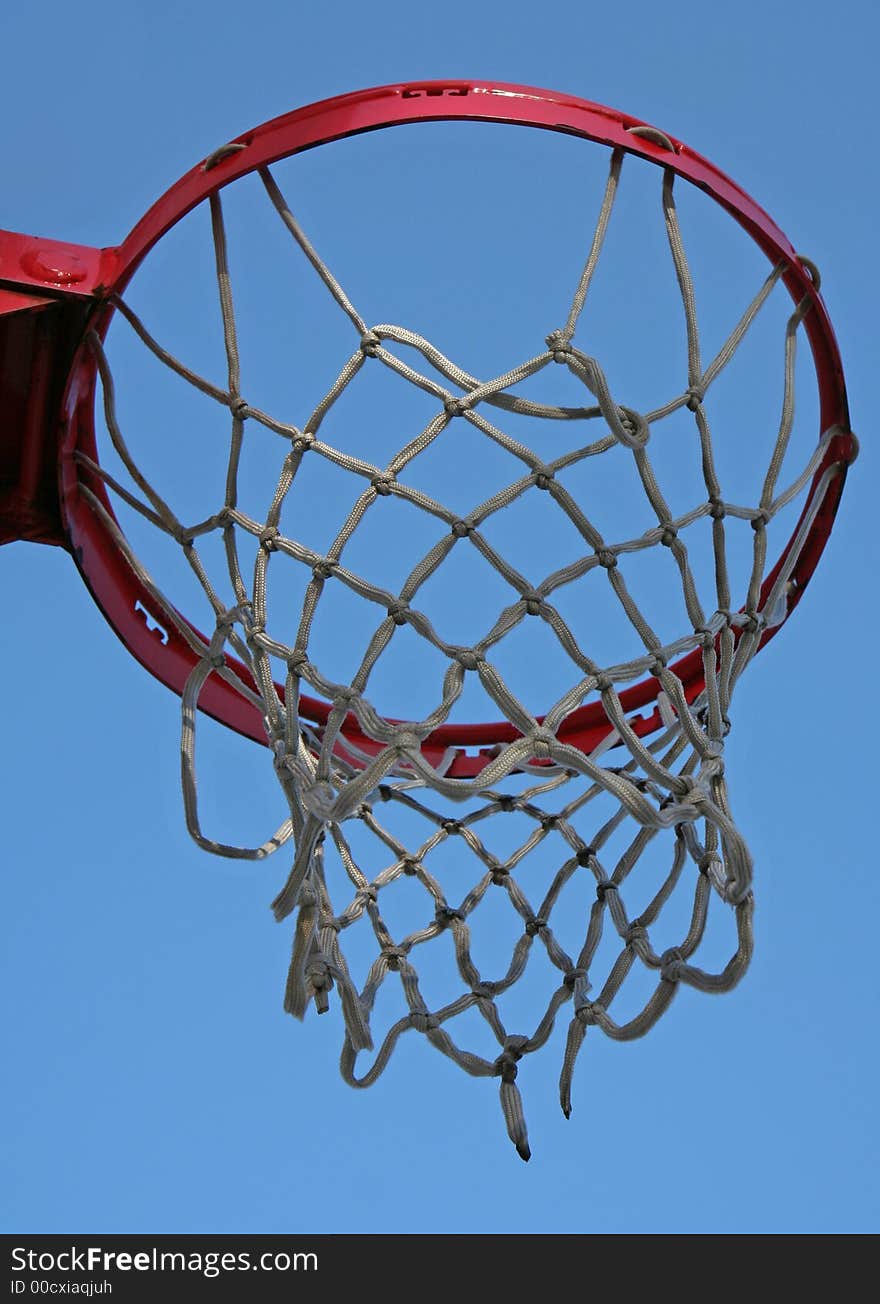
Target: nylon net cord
(675,782)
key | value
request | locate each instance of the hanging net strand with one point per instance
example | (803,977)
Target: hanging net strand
(668,791)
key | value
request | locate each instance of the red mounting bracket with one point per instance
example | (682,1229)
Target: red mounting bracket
(47,292)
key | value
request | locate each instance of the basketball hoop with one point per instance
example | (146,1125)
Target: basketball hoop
(638,740)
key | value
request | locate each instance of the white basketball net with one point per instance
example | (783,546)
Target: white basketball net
(671,788)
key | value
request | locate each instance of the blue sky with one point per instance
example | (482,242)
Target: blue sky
(154,1083)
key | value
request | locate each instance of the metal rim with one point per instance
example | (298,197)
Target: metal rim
(114,584)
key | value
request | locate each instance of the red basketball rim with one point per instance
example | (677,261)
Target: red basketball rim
(106,570)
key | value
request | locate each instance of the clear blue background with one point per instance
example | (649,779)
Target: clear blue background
(152,1082)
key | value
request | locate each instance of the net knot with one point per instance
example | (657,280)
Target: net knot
(500,875)
(671,964)
(603,888)
(543,476)
(573,976)
(559,346)
(423,1022)
(398,612)
(635,426)
(303,441)
(668,536)
(760,519)
(451,826)
(269,538)
(607,558)
(549,822)
(318,799)
(217,660)
(392,956)
(404,740)
(484,991)
(468,659)
(239,408)
(505,1065)
(716,509)
(533,600)
(455,407)
(588,1014)
(323,569)
(584,855)
(410,866)
(542,741)
(636,932)
(658,664)
(297,659)
(382,484)
(707,860)
(182,535)
(754,621)
(369,344)
(462,528)
(445,915)
(535,925)
(506,802)
(249,622)
(706,637)
(367,894)
(319,976)
(603,683)
(695,394)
